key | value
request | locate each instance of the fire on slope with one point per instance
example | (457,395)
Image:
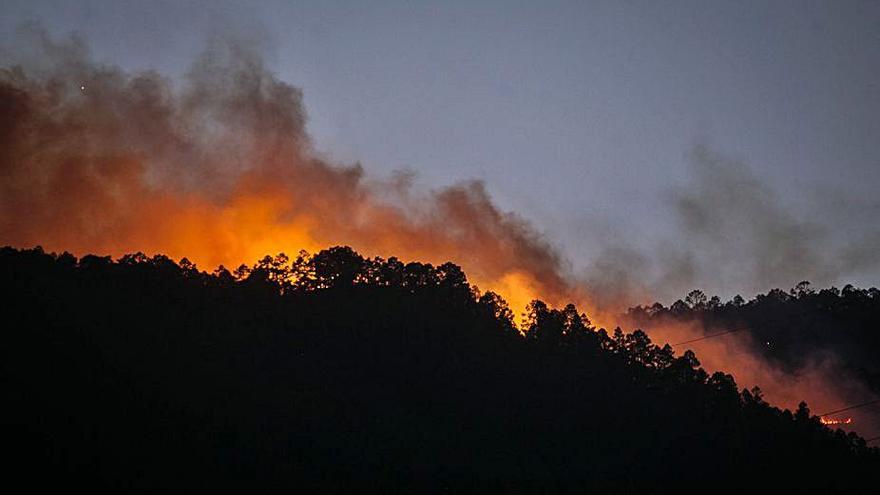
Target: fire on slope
(835,422)
(222,171)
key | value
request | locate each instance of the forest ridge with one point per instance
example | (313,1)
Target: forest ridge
(329,369)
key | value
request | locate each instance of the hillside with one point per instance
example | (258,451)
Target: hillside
(792,328)
(332,370)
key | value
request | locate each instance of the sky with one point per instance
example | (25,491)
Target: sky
(678,141)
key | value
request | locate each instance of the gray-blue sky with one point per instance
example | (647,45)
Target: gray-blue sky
(580,116)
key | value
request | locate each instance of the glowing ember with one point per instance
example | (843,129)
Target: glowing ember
(832,421)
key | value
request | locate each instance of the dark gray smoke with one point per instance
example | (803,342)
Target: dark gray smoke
(741,234)
(734,232)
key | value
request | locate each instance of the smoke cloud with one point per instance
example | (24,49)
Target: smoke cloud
(735,232)
(746,237)
(822,381)
(732,231)
(222,170)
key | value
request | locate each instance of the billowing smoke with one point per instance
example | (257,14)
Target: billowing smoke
(221,170)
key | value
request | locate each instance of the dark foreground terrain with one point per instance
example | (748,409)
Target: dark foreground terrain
(332,372)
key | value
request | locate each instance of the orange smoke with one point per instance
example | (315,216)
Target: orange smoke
(221,171)
(822,384)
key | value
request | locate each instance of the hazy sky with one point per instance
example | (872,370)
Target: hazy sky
(580,116)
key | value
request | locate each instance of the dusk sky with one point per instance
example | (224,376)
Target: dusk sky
(628,133)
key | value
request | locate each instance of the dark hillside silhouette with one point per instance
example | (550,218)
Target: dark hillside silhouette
(331,371)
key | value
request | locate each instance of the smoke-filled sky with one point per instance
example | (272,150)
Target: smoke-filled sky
(656,146)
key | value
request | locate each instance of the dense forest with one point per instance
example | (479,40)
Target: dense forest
(334,371)
(789,328)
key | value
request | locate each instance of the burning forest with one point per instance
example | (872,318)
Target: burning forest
(221,171)
(203,176)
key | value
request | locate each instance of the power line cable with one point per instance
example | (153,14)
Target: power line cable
(708,337)
(856,406)
(848,408)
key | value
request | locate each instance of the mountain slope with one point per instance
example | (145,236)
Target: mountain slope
(332,370)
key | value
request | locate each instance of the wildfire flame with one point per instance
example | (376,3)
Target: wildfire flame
(222,171)
(832,421)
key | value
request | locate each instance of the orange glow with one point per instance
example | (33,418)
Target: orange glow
(221,170)
(256,223)
(831,421)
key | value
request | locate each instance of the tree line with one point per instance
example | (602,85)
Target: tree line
(791,327)
(332,370)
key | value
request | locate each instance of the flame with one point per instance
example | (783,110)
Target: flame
(831,421)
(222,171)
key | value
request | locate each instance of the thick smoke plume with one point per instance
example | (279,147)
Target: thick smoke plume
(222,171)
